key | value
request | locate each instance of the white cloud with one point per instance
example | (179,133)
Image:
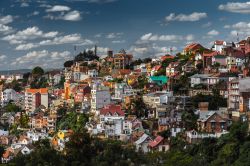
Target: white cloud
(95,1)
(118,41)
(114,35)
(58,8)
(2,57)
(213,33)
(236,7)
(171,38)
(5,29)
(208,24)
(27,46)
(183,17)
(72,16)
(42,58)
(240,28)
(67,39)
(6,19)
(24,4)
(150,50)
(29,34)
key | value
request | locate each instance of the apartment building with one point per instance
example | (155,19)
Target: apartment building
(35,98)
(100,97)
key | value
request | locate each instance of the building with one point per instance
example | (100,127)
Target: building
(212,122)
(8,95)
(34,98)
(157,98)
(172,69)
(204,79)
(100,97)
(122,90)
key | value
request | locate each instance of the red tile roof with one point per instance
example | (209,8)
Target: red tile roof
(156,141)
(156,68)
(42,90)
(112,109)
(211,54)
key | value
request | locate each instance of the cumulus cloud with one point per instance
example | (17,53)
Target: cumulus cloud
(72,16)
(6,19)
(236,7)
(42,58)
(171,38)
(29,34)
(58,8)
(184,17)
(75,39)
(114,35)
(95,1)
(118,41)
(240,28)
(144,50)
(213,33)
(2,57)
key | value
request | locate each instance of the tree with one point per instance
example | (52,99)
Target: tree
(37,71)
(68,63)
(11,107)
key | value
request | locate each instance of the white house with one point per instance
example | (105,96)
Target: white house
(122,90)
(157,98)
(93,73)
(142,143)
(8,95)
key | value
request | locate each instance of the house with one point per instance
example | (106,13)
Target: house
(159,80)
(172,69)
(205,79)
(8,95)
(193,48)
(194,136)
(34,98)
(220,59)
(212,122)
(155,69)
(111,112)
(157,98)
(159,144)
(120,60)
(122,90)
(27,149)
(142,144)
(93,73)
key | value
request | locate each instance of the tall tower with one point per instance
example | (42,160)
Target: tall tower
(95,50)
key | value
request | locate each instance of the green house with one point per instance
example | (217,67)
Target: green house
(160,80)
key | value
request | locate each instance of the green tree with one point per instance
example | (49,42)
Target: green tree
(37,71)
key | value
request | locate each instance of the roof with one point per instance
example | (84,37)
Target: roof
(157,67)
(200,76)
(210,54)
(33,91)
(156,141)
(167,57)
(205,115)
(143,138)
(112,110)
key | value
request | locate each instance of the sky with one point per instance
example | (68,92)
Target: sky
(44,32)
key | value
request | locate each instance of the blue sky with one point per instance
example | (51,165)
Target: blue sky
(44,32)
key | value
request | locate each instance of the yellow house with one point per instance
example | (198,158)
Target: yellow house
(61,135)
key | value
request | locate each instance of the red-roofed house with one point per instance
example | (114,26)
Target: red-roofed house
(163,58)
(171,69)
(155,69)
(111,112)
(159,144)
(193,48)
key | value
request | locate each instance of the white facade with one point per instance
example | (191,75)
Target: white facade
(100,97)
(122,90)
(8,95)
(157,98)
(93,73)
